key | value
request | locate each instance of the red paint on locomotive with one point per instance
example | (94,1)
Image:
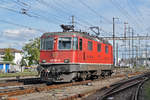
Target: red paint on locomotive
(87,55)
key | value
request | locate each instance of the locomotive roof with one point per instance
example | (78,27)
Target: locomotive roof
(82,34)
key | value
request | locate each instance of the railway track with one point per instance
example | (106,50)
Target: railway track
(40,88)
(124,90)
(10,84)
(14,82)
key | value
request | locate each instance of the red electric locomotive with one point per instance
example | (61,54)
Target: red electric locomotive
(71,56)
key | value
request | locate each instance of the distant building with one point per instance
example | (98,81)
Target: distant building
(4,66)
(16,53)
(144,59)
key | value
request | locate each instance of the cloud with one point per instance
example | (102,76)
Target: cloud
(19,33)
(16,38)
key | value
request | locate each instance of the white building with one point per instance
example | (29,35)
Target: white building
(16,53)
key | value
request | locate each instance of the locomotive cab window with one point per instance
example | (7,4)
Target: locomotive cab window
(90,45)
(99,47)
(75,43)
(47,43)
(64,43)
(80,44)
(106,49)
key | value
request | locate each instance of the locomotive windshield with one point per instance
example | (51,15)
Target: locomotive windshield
(47,43)
(64,43)
(75,43)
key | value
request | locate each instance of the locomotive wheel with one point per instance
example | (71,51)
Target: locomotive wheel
(49,83)
(103,74)
(72,81)
(83,76)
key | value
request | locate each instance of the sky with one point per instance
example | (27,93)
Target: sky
(22,20)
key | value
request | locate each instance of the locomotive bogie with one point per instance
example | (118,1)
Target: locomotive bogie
(74,72)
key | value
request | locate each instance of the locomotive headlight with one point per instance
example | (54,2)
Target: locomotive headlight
(43,61)
(66,61)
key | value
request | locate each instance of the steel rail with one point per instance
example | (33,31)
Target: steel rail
(47,88)
(117,88)
(111,87)
(120,90)
(39,89)
(138,89)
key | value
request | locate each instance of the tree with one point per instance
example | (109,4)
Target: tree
(8,56)
(32,51)
(23,63)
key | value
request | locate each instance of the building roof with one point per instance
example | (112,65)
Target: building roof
(3,50)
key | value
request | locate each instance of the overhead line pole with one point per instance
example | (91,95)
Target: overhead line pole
(125,32)
(73,22)
(114,41)
(132,47)
(117,53)
(129,30)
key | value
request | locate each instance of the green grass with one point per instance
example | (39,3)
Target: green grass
(25,73)
(147,90)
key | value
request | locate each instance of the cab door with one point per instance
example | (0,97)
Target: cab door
(81,54)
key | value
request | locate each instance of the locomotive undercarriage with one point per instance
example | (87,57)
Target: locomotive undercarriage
(72,72)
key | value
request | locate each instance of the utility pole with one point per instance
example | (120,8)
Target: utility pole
(146,53)
(114,40)
(125,32)
(132,47)
(136,55)
(129,46)
(139,47)
(117,53)
(73,22)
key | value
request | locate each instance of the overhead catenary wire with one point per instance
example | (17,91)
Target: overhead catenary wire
(93,10)
(62,3)
(58,8)
(81,20)
(135,8)
(124,12)
(30,6)
(30,14)
(87,24)
(42,17)
(35,14)
(21,3)
(136,12)
(19,25)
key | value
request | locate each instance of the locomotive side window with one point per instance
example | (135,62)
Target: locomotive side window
(106,49)
(99,47)
(90,45)
(80,44)
(75,43)
(64,43)
(47,43)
